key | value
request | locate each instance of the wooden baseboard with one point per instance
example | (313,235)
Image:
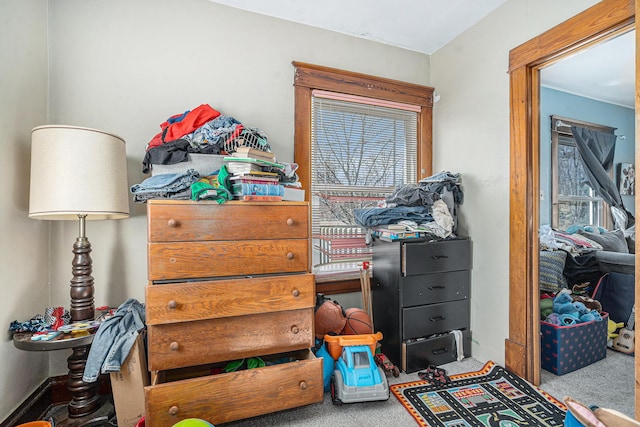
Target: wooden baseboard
(53,391)
(33,407)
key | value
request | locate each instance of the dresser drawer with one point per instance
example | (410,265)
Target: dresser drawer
(434,288)
(435,318)
(435,257)
(182,302)
(419,354)
(232,396)
(202,221)
(176,345)
(185,260)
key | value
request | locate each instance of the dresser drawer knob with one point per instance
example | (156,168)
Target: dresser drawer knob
(436,318)
(303,385)
(174,346)
(295,329)
(173,410)
(172,305)
(439,257)
(289,221)
(436,287)
(289,255)
(295,293)
(173,223)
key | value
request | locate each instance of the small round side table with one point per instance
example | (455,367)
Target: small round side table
(85,399)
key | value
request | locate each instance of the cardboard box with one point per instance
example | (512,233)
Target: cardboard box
(128,385)
(568,348)
(293,194)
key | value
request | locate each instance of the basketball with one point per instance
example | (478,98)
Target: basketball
(329,318)
(358,322)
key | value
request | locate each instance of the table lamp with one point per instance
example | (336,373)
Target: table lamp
(78,174)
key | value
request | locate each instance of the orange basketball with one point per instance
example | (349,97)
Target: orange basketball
(329,318)
(358,322)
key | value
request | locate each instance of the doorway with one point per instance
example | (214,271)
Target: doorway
(598,23)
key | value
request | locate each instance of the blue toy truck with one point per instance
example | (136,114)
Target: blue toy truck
(357,377)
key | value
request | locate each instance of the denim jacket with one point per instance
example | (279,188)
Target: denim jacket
(114,339)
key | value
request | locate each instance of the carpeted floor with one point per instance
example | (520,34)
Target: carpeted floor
(371,414)
(608,384)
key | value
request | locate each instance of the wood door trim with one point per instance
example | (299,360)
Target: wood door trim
(603,20)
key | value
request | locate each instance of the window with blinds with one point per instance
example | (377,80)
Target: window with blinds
(361,150)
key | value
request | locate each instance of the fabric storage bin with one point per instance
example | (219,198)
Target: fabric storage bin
(204,164)
(565,349)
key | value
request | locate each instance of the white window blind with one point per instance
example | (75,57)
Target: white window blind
(361,150)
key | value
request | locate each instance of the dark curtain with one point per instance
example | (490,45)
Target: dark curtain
(596,150)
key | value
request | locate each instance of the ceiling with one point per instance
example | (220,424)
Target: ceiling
(605,72)
(420,25)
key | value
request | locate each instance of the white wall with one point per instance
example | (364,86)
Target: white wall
(24,243)
(124,67)
(472,117)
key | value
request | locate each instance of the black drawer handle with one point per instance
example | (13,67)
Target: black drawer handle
(437,318)
(439,351)
(439,256)
(436,287)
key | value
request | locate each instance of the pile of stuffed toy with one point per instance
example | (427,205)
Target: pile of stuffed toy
(568,309)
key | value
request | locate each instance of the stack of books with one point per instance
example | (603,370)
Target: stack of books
(257,192)
(251,175)
(254,176)
(252,153)
(393,232)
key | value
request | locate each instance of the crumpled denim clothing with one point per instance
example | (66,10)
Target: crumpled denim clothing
(372,217)
(214,132)
(442,176)
(180,195)
(440,187)
(444,180)
(411,195)
(169,182)
(166,185)
(114,339)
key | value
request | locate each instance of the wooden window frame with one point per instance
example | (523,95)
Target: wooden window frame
(308,77)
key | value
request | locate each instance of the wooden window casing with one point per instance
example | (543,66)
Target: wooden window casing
(310,77)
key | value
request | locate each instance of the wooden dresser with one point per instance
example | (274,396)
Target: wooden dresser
(229,282)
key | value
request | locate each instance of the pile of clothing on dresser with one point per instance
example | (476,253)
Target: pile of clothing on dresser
(202,130)
(429,208)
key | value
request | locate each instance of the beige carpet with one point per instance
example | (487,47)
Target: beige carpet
(388,413)
(608,383)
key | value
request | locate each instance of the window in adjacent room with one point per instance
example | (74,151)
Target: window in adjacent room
(353,151)
(573,200)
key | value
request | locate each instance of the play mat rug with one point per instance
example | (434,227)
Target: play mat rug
(491,396)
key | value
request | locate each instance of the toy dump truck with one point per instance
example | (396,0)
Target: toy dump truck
(357,377)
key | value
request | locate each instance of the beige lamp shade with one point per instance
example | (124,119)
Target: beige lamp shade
(77,171)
